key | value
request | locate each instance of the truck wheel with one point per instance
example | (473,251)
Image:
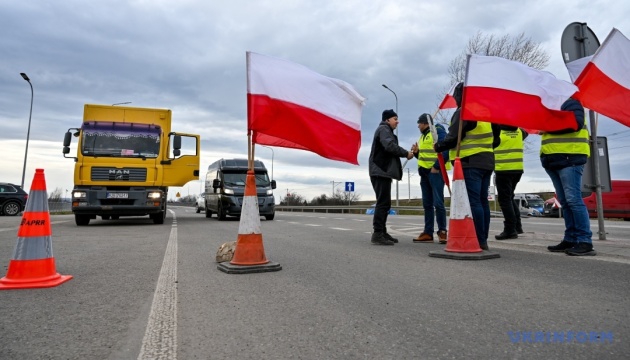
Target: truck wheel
(11,208)
(220,212)
(158,218)
(115,217)
(81,220)
(270,217)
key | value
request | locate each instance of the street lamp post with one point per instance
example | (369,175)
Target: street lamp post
(396,132)
(270,148)
(28,132)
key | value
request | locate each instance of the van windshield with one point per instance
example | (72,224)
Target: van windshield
(239,178)
(535,203)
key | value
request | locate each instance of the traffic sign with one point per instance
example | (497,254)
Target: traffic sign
(578,41)
(349,186)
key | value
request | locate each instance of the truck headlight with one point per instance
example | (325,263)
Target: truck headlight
(154,195)
(79,194)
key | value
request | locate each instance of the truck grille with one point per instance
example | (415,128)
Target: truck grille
(116,174)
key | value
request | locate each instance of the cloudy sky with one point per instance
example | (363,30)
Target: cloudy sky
(189,56)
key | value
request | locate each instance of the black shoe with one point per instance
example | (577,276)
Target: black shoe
(504,235)
(581,249)
(379,239)
(390,238)
(484,246)
(520,231)
(564,245)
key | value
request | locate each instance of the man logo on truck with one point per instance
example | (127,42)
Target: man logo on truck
(119,174)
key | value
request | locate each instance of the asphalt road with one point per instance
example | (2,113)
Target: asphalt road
(153,291)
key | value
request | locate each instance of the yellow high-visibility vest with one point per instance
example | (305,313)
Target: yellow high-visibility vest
(509,154)
(477,140)
(571,143)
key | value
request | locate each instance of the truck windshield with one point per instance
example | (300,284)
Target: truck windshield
(239,178)
(116,139)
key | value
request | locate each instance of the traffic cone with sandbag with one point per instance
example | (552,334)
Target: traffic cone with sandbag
(33,264)
(462,242)
(249,253)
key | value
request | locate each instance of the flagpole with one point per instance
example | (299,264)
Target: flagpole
(249,150)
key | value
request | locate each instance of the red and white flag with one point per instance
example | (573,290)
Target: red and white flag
(449,101)
(292,106)
(508,92)
(605,81)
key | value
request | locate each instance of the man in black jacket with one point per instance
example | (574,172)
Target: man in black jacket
(384,165)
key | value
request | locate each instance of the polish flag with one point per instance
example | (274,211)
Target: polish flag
(605,81)
(508,92)
(292,106)
(449,101)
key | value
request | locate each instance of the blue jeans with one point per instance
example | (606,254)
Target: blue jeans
(432,186)
(477,183)
(568,185)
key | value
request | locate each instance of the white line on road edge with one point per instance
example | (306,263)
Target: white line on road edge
(160,337)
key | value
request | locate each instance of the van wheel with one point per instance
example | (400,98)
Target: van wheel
(208,213)
(270,217)
(105,217)
(220,211)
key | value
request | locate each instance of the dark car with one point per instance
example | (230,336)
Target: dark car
(12,199)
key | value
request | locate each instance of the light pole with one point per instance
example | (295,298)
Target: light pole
(28,132)
(396,132)
(270,148)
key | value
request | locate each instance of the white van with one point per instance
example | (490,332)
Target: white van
(529,204)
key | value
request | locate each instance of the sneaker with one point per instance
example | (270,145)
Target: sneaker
(564,245)
(423,237)
(379,239)
(581,249)
(504,235)
(390,238)
(442,236)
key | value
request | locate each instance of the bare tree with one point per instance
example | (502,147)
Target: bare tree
(293,199)
(518,48)
(56,195)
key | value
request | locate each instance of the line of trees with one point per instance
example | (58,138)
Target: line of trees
(339,198)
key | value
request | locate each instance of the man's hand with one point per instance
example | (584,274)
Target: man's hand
(409,155)
(434,170)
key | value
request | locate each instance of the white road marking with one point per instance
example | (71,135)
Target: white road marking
(312,224)
(160,337)
(342,229)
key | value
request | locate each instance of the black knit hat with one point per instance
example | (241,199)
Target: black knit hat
(388,114)
(424,118)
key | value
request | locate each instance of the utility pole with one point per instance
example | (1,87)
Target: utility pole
(333,187)
(409,184)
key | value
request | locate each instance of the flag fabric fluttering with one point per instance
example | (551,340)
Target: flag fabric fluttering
(292,106)
(449,101)
(508,92)
(605,81)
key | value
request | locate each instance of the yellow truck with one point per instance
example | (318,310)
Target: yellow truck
(126,159)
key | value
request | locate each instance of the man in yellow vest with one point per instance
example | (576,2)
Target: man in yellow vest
(431,181)
(477,161)
(563,155)
(508,167)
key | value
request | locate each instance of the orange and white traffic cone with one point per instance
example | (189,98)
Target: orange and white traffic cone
(249,254)
(462,242)
(33,264)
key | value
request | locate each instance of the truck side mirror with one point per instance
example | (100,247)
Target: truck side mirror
(177,145)
(273,184)
(67,138)
(216,183)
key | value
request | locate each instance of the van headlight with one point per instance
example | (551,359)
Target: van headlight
(228,191)
(269,192)
(154,194)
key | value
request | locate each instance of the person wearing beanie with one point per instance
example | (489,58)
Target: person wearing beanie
(477,159)
(384,165)
(431,181)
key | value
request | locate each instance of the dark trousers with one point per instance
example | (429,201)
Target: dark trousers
(506,184)
(383,189)
(477,183)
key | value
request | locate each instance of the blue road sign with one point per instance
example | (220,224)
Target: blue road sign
(349,186)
